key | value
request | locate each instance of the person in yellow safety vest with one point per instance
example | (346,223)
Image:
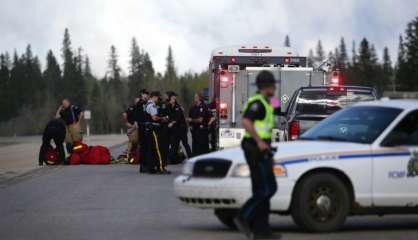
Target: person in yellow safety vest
(258,121)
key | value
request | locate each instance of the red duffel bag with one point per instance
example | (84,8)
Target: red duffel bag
(97,155)
(75,159)
(79,147)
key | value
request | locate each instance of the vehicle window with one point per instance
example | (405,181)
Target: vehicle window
(359,124)
(290,107)
(323,102)
(407,130)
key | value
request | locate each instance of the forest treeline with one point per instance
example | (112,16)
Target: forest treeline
(30,94)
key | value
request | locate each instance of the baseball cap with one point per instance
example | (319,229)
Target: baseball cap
(265,79)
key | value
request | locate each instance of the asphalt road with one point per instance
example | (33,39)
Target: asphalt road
(115,202)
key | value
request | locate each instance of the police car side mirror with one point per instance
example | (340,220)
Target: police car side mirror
(395,139)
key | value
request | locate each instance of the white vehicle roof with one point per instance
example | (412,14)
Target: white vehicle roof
(406,104)
(235,50)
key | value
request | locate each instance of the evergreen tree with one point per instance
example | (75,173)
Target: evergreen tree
(369,73)
(114,72)
(387,70)
(170,74)
(342,56)
(409,70)
(69,67)
(52,75)
(354,55)
(311,58)
(319,53)
(4,86)
(286,41)
(401,71)
(136,73)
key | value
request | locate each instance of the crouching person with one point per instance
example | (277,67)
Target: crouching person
(54,130)
(72,115)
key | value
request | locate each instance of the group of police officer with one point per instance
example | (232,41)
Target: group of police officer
(159,126)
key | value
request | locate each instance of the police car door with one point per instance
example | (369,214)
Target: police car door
(395,165)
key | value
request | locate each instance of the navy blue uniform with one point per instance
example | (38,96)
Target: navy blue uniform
(178,132)
(140,118)
(200,132)
(257,209)
(71,114)
(54,130)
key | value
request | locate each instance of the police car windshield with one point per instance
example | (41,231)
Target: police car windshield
(360,124)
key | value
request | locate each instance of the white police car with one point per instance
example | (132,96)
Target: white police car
(361,160)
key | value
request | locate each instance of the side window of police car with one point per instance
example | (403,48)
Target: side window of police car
(405,133)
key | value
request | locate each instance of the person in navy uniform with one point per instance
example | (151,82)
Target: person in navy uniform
(213,124)
(258,121)
(198,119)
(177,128)
(162,106)
(55,131)
(152,125)
(140,120)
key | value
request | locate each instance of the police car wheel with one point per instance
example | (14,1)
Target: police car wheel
(321,203)
(226,216)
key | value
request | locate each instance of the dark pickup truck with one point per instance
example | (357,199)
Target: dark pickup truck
(309,105)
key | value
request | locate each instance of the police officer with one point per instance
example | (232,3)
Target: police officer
(258,121)
(198,119)
(54,130)
(153,157)
(140,119)
(178,128)
(72,115)
(213,124)
(162,106)
(132,130)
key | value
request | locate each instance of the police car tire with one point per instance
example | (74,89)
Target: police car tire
(226,216)
(300,210)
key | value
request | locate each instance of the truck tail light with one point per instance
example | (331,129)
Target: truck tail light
(223,110)
(224,80)
(335,81)
(294,130)
(336,78)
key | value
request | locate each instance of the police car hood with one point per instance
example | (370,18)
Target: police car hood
(294,151)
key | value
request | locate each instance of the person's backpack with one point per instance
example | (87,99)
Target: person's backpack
(51,156)
(97,155)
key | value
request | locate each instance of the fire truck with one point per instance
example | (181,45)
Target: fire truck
(232,74)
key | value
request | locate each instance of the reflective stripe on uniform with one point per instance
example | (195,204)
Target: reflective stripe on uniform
(157,147)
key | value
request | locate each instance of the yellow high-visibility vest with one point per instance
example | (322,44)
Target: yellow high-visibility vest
(265,126)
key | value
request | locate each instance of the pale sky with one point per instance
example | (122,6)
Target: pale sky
(194,27)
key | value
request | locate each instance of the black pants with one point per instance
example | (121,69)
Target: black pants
(56,134)
(164,143)
(177,136)
(142,145)
(200,141)
(257,209)
(213,133)
(153,156)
